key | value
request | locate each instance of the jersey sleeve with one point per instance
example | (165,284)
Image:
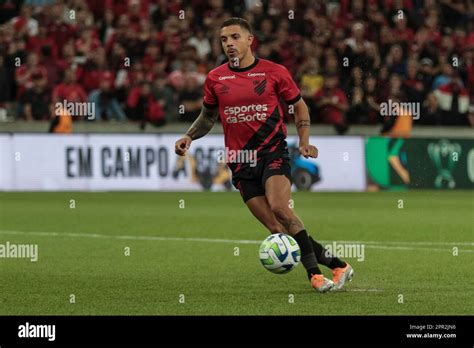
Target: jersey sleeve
(210,99)
(287,88)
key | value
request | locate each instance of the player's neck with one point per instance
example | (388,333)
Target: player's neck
(248,62)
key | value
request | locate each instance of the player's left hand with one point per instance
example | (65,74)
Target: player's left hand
(308,151)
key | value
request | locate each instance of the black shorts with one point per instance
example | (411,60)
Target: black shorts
(250,181)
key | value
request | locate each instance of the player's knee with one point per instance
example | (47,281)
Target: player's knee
(282,212)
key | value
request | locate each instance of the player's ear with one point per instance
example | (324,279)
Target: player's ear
(250,39)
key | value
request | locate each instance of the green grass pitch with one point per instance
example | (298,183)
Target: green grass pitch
(408,257)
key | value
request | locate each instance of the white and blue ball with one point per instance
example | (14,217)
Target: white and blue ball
(279,253)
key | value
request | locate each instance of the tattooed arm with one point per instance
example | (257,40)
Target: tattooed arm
(302,126)
(198,129)
(203,123)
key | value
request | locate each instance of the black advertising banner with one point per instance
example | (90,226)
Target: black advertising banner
(441,163)
(430,163)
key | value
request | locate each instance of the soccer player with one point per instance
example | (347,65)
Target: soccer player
(244,92)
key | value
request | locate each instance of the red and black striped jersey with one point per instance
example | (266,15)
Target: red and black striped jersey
(248,102)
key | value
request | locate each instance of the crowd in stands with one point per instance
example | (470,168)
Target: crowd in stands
(148,59)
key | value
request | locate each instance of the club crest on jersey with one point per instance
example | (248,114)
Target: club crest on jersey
(260,86)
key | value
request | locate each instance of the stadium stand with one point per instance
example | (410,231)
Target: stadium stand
(141,60)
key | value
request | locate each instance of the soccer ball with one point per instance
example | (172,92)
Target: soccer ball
(279,253)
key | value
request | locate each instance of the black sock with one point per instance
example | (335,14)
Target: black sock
(324,257)
(308,257)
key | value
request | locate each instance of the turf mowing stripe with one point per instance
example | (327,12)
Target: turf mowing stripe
(377,245)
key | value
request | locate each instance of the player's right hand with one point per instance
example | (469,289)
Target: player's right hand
(182,145)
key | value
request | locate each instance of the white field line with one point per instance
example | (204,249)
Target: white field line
(368,244)
(394,247)
(405,242)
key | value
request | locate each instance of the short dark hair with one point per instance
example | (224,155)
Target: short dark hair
(237,21)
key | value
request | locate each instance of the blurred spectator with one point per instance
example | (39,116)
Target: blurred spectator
(332,64)
(358,44)
(453,101)
(355,80)
(371,100)
(393,87)
(152,55)
(106,104)
(357,109)
(402,34)
(5,90)
(57,28)
(37,43)
(430,112)
(455,12)
(447,72)
(395,61)
(311,81)
(9,9)
(427,73)
(49,63)
(364,103)
(94,70)
(186,68)
(69,58)
(201,43)
(413,83)
(386,40)
(36,100)
(25,24)
(382,77)
(166,97)
(143,106)
(69,89)
(191,99)
(87,42)
(372,60)
(106,28)
(26,71)
(332,103)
